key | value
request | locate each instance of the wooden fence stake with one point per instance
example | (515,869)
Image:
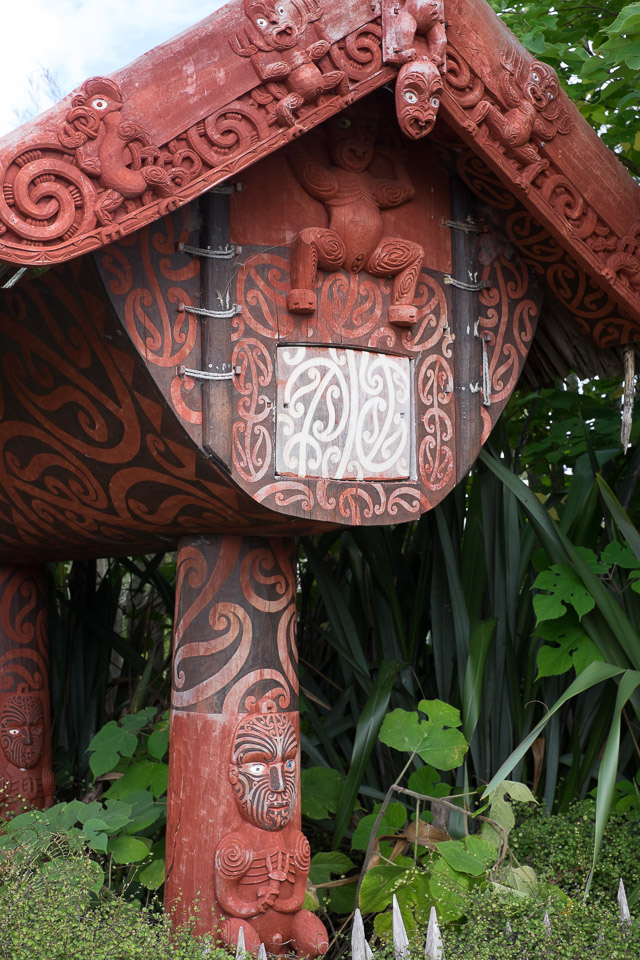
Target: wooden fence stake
(434,949)
(360,949)
(400,938)
(625,916)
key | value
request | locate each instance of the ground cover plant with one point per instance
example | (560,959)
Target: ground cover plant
(54,905)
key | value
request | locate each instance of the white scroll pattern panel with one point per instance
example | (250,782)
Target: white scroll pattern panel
(343,414)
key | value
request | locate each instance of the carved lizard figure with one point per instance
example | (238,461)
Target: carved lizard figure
(274,42)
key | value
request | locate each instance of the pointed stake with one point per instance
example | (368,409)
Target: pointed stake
(359,944)
(241,948)
(434,949)
(400,938)
(625,916)
(547,924)
(262,953)
(508,929)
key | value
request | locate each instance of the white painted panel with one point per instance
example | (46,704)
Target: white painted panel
(343,414)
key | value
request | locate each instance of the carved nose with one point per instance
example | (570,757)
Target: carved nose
(26,737)
(276,778)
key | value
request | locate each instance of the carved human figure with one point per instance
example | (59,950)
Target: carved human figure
(22,737)
(116,152)
(426,19)
(535,112)
(261,869)
(353,199)
(278,42)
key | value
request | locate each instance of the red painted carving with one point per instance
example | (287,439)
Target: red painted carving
(53,205)
(418,91)
(415,36)
(26,776)
(284,47)
(261,870)
(353,199)
(118,153)
(592,307)
(530,90)
(235,724)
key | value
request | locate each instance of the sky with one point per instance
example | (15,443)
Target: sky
(76,39)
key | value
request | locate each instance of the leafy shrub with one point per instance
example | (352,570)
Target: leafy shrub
(560,848)
(53,905)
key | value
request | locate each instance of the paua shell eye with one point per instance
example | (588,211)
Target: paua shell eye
(410,96)
(99,103)
(435,102)
(262,23)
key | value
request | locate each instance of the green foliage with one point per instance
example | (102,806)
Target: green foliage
(560,848)
(124,827)
(53,905)
(435,740)
(596,52)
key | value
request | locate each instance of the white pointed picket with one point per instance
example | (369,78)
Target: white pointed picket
(360,949)
(241,948)
(625,916)
(434,949)
(400,938)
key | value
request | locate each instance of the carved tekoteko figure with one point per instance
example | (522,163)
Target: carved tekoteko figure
(353,198)
(261,870)
(532,90)
(116,152)
(424,18)
(280,48)
(22,736)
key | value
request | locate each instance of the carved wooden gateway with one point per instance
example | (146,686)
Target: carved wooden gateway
(282,273)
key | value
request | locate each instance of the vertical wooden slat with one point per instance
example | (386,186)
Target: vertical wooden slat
(464,315)
(216,294)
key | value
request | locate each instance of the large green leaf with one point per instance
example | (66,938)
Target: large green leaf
(436,739)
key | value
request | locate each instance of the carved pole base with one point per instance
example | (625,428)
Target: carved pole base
(234,845)
(26,775)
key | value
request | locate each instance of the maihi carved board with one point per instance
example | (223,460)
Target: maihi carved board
(123,151)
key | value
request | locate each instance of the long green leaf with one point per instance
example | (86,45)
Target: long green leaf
(621,518)
(365,739)
(609,764)
(593,674)
(479,643)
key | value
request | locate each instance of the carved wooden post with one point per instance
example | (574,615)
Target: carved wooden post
(26,776)
(234,844)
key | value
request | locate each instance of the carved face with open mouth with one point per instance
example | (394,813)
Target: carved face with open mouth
(22,730)
(263,769)
(541,87)
(418,91)
(274,22)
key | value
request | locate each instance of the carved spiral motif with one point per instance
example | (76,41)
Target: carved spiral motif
(44,198)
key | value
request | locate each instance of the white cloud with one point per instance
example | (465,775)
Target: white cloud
(76,39)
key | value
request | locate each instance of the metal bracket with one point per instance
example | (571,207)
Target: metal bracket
(222,253)
(11,282)
(461,285)
(207,374)
(469,226)
(216,314)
